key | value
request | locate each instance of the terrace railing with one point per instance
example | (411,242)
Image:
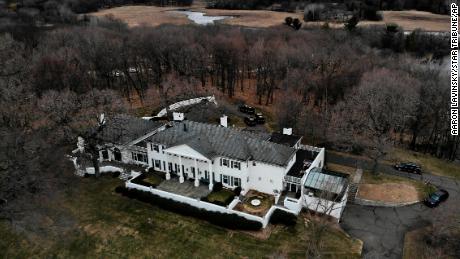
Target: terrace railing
(292,179)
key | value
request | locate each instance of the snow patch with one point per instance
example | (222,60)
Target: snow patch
(201,18)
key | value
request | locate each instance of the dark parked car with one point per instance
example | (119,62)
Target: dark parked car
(250,121)
(436,198)
(260,119)
(408,167)
(247,109)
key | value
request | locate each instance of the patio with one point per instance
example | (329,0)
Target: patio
(185,189)
(256,203)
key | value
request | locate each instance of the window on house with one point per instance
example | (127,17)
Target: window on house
(236,181)
(254,163)
(225,179)
(156,148)
(157,164)
(139,157)
(225,162)
(206,174)
(236,165)
(105,154)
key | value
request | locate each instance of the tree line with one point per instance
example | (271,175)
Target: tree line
(347,89)
(434,6)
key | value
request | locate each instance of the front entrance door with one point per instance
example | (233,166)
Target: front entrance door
(117,154)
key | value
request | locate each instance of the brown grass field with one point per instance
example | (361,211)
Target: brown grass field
(136,15)
(411,20)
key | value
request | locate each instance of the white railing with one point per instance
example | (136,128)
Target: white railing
(292,179)
(208,206)
(293,204)
(310,148)
(184,103)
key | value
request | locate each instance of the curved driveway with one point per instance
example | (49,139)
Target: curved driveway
(382,229)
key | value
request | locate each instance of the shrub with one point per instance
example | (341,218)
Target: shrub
(288,20)
(119,189)
(217,187)
(231,221)
(237,191)
(351,24)
(296,24)
(283,217)
(357,149)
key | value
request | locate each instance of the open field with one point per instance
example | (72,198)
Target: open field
(411,20)
(108,225)
(154,16)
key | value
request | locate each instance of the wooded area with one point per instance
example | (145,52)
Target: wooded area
(362,90)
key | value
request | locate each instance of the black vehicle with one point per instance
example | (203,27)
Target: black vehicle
(250,121)
(247,109)
(260,119)
(436,198)
(408,167)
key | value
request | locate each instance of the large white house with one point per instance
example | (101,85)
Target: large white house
(206,154)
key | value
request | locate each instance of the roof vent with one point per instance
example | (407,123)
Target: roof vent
(287,131)
(223,121)
(178,116)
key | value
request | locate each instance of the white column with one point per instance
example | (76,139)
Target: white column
(197,182)
(168,174)
(211,178)
(181,174)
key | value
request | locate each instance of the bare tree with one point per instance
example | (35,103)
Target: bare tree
(383,102)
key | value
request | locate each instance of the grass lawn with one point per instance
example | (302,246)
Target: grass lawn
(341,168)
(430,164)
(109,225)
(153,179)
(422,188)
(416,247)
(223,196)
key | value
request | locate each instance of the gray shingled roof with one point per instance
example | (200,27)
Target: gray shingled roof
(123,128)
(213,140)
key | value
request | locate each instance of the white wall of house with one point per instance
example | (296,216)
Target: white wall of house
(327,207)
(221,170)
(252,175)
(126,154)
(268,178)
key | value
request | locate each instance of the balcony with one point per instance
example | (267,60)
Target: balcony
(292,179)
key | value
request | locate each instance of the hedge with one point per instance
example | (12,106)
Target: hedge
(231,221)
(283,217)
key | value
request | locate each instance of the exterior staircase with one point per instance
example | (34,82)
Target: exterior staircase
(125,176)
(354,185)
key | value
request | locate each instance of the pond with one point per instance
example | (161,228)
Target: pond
(201,18)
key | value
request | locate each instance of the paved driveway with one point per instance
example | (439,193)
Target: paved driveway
(382,229)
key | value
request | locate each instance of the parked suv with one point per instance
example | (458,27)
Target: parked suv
(408,167)
(436,198)
(250,121)
(260,119)
(247,109)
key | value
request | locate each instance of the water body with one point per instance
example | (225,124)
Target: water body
(201,18)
